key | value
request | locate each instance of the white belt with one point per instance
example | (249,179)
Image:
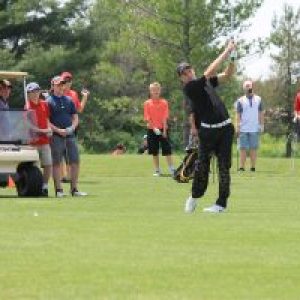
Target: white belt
(217,125)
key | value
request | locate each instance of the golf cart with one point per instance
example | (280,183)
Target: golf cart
(18,159)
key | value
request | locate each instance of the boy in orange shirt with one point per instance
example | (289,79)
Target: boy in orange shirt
(156,113)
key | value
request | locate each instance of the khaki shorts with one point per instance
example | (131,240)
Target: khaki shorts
(45,155)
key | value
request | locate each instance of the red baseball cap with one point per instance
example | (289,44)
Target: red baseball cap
(65,75)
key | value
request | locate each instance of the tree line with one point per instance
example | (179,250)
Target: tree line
(117,48)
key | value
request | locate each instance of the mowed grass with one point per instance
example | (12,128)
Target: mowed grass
(129,239)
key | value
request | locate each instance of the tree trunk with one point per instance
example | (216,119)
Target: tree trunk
(288,147)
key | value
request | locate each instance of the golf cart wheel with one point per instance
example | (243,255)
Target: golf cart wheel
(29,181)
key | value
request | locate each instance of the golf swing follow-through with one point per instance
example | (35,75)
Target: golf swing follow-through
(214,126)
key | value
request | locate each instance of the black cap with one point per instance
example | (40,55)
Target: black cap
(182,66)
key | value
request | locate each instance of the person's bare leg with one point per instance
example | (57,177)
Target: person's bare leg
(57,176)
(156,164)
(74,168)
(253,156)
(169,159)
(243,156)
(65,171)
(47,174)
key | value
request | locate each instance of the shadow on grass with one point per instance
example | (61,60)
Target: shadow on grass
(165,175)
(9,197)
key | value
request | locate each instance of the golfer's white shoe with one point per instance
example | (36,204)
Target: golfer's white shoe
(76,193)
(214,209)
(190,205)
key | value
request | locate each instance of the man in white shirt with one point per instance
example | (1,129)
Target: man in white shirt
(249,124)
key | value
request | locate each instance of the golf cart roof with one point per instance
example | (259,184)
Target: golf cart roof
(12,74)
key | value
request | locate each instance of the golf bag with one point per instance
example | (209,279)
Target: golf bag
(186,169)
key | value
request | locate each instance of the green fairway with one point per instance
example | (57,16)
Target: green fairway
(129,239)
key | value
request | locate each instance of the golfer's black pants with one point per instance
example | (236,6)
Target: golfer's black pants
(216,141)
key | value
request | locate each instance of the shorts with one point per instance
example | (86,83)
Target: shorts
(249,140)
(45,155)
(154,141)
(61,145)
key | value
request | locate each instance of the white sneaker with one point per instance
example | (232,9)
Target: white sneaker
(214,209)
(190,205)
(156,174)
(76,193)
(59,194)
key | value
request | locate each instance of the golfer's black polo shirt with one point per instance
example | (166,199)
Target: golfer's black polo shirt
(206,104)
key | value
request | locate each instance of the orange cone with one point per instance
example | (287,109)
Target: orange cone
(11,183)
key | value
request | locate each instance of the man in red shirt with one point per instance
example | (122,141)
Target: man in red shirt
(79,105)
(156,114)
(43,129)
(297,113)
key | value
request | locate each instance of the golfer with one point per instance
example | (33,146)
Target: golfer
(214,127)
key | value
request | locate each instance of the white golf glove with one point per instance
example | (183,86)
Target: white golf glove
(69,130)
(156,131)
(49,133)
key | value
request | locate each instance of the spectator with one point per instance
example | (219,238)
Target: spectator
(79,105)
(43,129)
(297,113)
(5,91)
(64,120)
(119,150)
(250,122)
(156,114)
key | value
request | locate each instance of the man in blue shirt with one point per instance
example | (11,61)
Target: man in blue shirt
(64,120)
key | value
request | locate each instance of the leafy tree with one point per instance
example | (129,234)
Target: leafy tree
(285,36)
(47,22)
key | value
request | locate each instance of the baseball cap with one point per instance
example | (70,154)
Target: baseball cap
(66,75)
(182,66)
(5,82)
(32,86)
(57,80)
